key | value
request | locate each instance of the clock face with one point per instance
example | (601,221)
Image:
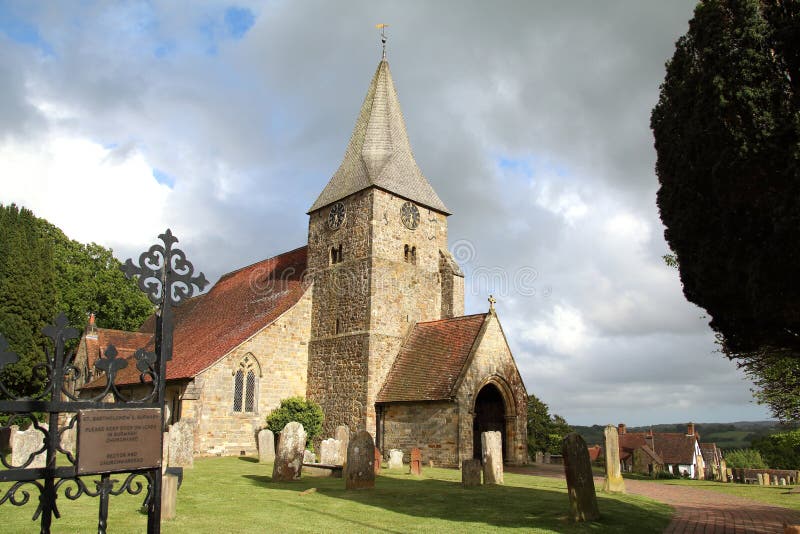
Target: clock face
(336,216)
(409,214)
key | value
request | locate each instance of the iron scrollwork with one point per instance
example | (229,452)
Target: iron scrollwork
(168,278)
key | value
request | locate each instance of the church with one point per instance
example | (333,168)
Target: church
(367,319)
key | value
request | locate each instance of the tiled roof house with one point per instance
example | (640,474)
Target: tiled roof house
(366,319)
(675,452)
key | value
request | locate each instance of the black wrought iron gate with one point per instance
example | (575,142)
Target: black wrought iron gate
(167,278)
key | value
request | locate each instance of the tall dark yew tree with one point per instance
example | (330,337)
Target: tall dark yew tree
(27,295)
(726,131)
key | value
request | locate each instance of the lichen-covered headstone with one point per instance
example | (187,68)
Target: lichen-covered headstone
(289,456)
(492,457)
(330,452)
(378,461)
(309,457)
(360,460)
(395,459)
(26,443)
(266,446)
(782,481)
(613,482)
(580,484)
(342,435)
(471,473)
(760,478)
(539,457)
(69,438)
(181,444)
(416,462)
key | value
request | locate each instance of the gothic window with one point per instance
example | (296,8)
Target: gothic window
(414,255)
(405,253)
(410,254)
(245,385)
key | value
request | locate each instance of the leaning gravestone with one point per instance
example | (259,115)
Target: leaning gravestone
(181,444)
(289,456)
(580,484)
(416,462)
(330,452)
(492,455)
(471,473)
(613,482)
(360,460)
(26,443)
(266,446)
(395,459)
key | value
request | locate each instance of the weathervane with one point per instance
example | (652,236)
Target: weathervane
(382,27)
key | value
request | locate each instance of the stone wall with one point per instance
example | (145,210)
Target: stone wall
(281,353)
(430,426)
(493,363)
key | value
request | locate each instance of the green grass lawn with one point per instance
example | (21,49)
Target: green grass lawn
(236,494)
(775,495)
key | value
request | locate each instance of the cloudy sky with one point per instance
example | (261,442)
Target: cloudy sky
(224,121)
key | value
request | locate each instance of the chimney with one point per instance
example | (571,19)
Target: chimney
(690,429)
(621,429)
(91,330)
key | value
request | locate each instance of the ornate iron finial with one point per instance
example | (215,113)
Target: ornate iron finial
(492,301)
(382,27)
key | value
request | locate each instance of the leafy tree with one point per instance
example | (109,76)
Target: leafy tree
(745,458)
(727,132)
(780,450)
(27,296)
(306,412)
(545,431)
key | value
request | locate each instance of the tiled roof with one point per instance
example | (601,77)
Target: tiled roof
(431,360)
(379,153)
(126,343)
(240,304)
(673,448)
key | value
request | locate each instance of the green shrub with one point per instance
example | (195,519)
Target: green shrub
(745,458)
(306,412)
(664,475)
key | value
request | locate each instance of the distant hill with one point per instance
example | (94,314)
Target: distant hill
(727,436)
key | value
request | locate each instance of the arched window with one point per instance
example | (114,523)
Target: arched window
(245,385)
(405,253)
(414,255)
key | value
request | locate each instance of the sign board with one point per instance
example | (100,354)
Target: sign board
(118,440)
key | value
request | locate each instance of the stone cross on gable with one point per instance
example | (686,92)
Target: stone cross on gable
(492,302)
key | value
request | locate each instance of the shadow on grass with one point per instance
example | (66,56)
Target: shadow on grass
(524,502)
(248,459)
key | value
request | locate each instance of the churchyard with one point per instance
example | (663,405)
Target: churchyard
(220,492)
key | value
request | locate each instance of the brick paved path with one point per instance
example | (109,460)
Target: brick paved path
(698,510)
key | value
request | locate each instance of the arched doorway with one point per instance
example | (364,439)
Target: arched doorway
(490,415)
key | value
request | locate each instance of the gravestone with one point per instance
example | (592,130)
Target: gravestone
(266,446)
(7,438)
(760,479)
(330,452)
(539,457)
(69,438)
(774,480)
(309,457)
(26,443)
(169,496)
(164,452)
(181,444)
(613,482)
(782,481)
(360,460)
(547,457)
(378,461)
(416,462)
(471,473)
(289,456)
(342,435)
(395,459)
(492,457)
(580,484)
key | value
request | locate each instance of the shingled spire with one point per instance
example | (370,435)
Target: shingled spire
(379,153)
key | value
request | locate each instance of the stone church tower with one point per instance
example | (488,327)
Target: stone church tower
(378,258)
